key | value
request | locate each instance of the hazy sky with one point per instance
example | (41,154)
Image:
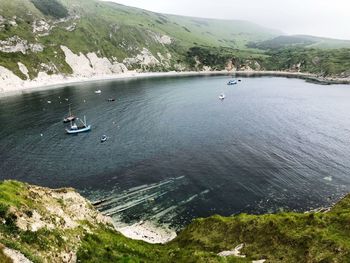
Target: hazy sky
(330,18)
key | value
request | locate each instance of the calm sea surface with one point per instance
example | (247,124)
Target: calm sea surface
(175,151)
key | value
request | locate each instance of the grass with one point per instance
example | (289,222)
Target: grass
(116,31)
(106,245)
(283,237)
(13,193)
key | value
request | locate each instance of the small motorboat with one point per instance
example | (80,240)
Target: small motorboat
(232,82)
(103,138)
(222,96)
(70,117)
(111,99)
(98,91)
(74,128)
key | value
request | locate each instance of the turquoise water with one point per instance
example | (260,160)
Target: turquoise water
(176,152)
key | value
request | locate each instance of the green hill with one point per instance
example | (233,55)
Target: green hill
(89,37)
(110,30)
(48,225)
(301,41)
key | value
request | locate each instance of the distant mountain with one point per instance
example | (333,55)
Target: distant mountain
(301,41)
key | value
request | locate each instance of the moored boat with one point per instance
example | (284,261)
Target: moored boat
(103,138)
(232,82)
(70,117)
(74,128)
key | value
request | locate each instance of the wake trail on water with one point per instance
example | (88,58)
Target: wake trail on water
(155,202)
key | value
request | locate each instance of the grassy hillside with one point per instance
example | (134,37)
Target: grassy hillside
(119,32)
(110,30)
(284,237)
(300,41)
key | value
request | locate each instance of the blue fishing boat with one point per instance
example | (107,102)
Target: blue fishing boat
(74,128)
(232,82)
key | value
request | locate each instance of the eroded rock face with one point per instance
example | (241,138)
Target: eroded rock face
(16,44)
(162,39)
(80,64)
(66,206)
(63,211)
(41,26)
(16,256)
(145,58)
(8,80)
(23,69)
(91,65)
(9,22)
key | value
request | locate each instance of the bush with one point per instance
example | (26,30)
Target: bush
(3,210)
(51,8)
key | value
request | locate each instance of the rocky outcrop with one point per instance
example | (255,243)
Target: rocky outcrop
(23,69)
(16,44)
(63,214)
(41,26)
(145,58)
(162,39)
(66,206)
(15,256)
(12,22)
(91,65)
(9,80)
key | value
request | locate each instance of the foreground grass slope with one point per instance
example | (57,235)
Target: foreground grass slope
(283,237)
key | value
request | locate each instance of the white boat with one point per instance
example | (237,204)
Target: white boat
(104,138)
(222,96)
(98,91)
(232,82)
(74,128)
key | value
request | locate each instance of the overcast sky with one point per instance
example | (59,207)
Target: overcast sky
(329,18)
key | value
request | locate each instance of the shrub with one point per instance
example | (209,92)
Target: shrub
(51,8)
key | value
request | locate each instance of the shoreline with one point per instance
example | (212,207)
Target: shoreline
(58,81)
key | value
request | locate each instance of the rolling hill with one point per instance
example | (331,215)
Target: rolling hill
(40,39)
